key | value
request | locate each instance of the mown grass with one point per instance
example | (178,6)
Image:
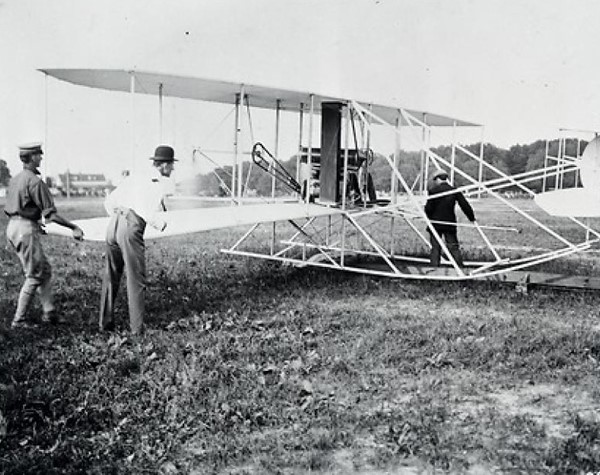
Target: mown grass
(250,367)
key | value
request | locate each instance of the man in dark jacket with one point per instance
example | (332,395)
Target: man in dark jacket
(441,212)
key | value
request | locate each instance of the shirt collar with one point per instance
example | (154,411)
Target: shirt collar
(156,176)
(31,167)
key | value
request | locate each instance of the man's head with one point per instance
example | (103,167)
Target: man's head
(31,153)
(164,159)
(439,176)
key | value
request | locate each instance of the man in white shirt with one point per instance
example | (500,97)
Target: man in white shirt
(137,201)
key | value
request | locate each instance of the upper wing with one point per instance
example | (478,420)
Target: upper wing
(225,92)
(204,219)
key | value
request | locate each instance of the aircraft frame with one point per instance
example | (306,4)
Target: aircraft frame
(341,235)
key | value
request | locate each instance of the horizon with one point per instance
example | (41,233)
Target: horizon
(114,180)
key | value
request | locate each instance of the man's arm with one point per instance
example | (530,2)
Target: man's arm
(430,207)
(165,188)
(156,221)
(58,219)
(466,207)
(40,193)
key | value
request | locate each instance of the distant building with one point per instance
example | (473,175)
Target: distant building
(2,191)
(83,184)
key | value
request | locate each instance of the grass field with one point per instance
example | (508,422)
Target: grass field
(250,368)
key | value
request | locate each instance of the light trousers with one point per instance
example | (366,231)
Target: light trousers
(125,253)
(24,236)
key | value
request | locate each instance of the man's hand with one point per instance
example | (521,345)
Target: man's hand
(77,233)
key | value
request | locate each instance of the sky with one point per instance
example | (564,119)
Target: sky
(522,68)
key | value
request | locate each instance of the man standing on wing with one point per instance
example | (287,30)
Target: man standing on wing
(132,205)
(28,200)
(441,211)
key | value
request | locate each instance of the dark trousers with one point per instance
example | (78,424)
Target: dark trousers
(451,243)
(125,252)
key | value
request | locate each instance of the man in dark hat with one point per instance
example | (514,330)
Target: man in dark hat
(441,211)
(28,200)
(136,202)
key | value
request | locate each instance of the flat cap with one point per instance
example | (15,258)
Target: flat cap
(29,149)
(439,174)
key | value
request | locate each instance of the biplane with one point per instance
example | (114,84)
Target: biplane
(335,219)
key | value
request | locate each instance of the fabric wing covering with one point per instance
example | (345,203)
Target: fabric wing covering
(225,92)
(205,219)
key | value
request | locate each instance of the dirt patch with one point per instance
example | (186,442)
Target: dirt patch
(550,406)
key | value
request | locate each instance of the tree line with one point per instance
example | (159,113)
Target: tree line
(517,159)
(4,173)
(514,160)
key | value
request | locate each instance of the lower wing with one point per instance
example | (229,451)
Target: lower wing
(204,219)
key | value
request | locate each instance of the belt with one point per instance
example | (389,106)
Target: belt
(122,211)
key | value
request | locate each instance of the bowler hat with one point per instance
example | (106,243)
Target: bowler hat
(29,149)
(439,174)
(164,153)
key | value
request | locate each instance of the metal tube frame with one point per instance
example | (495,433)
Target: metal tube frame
(335,256)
